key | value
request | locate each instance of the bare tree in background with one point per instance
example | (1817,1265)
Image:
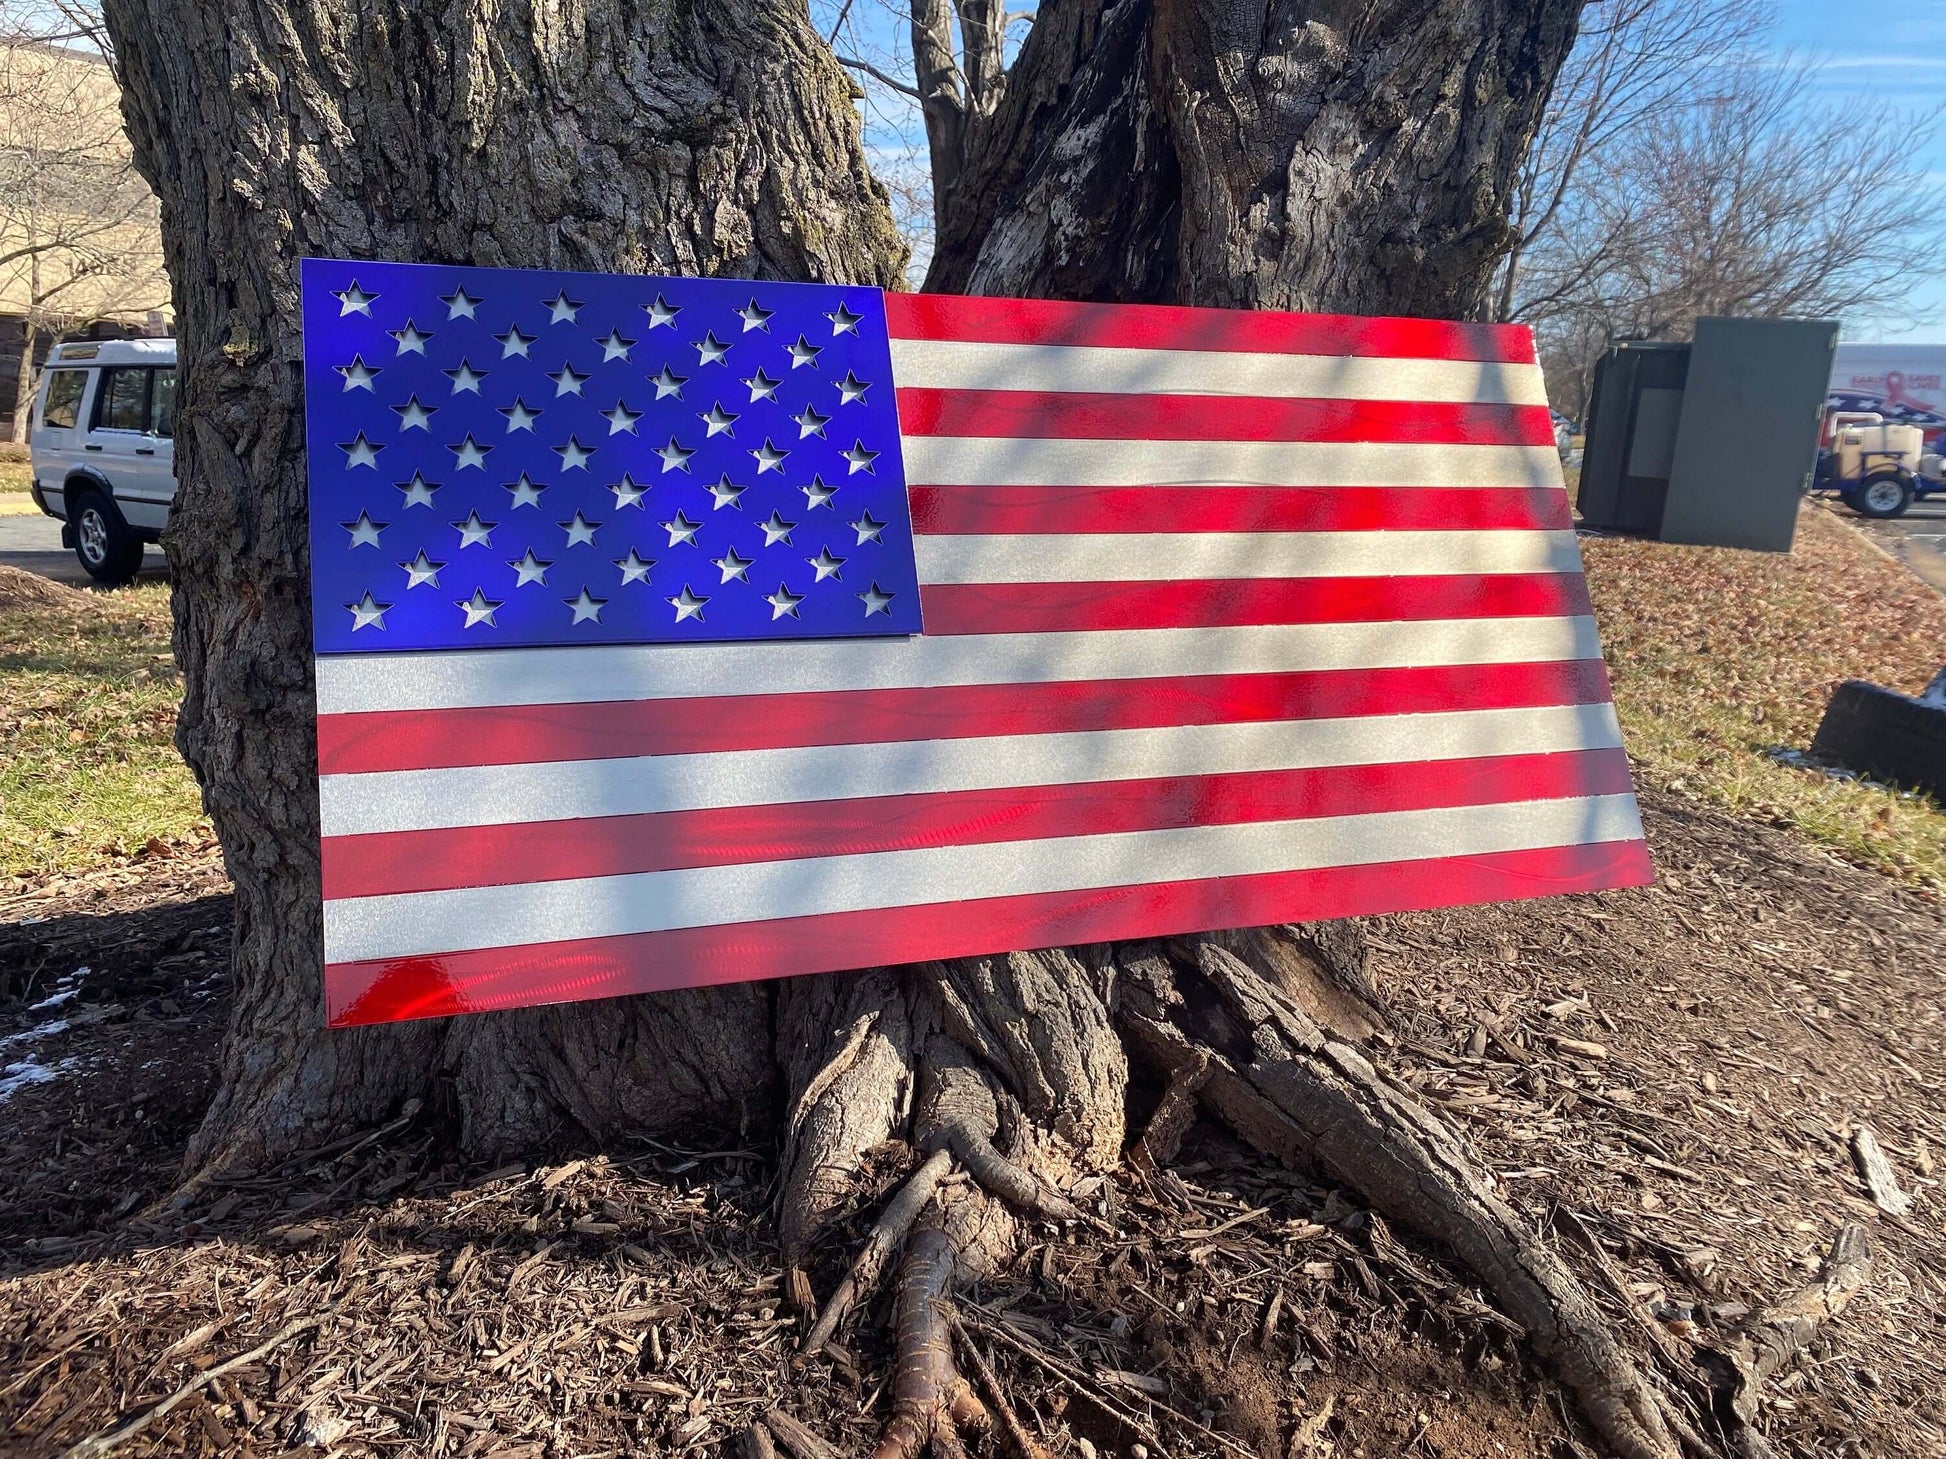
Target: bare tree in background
(1633,61)
(1753,201)
(79,233)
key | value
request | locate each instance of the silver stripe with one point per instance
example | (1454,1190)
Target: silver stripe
(1020,461)
(490,795)
(1173,556)
(353,683)
(420,923)
(967,365)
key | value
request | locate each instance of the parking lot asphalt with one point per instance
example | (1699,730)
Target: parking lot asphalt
(1918,539)
(34,543)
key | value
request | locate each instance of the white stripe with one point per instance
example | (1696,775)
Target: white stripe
(1171,556)
(421,923)
(1022,461)
(492,795)
(353,683)
(967,365)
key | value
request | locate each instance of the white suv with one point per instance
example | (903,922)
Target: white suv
(104,450)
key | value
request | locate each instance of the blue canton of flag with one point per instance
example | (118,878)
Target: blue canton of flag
(516,457)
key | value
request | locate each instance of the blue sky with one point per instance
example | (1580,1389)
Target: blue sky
(1894,51)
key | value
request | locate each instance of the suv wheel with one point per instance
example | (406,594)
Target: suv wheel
(110,552)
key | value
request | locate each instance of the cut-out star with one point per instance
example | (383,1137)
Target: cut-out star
(475,533)
(368,613)
(769,458)
(783,603)
(412,339)
(527,493)
(478,610)
(587,607)
(418,491)
(628,491)
(520,416)
(710,350)
(777,530)
(851,388)
(413,416)
(358,375)
(614,347)
(580,530)
(762,387)
(421,572)
(529,569)
(460,304)
(675,457)
(681,530)
(668,383)
(719,421)
(755,316)
(635,567)
(732,565)
(843,321)
(868,528)
(574,456)
(353,300)
(826,565)
(566,381)
(687,604)
(725,493)
(360,452)
(661,312)
(364,531)
(817,494)
(876,600)
(860,459)
(513,342)
(804,353)
(469,452)
(561,309)
(621,420)
(810,423)
(466,380)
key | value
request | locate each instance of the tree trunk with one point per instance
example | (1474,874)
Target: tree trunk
(709,139)
(28,378)
(1278,155)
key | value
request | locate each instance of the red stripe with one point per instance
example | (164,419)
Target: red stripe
(1047,415)
(1173,327)
(1067,607)
(990,510)
(382,990)
(435,860)
(521,734)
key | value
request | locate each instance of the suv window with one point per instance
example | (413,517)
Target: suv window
(162,416)
(64,390)
(122,403)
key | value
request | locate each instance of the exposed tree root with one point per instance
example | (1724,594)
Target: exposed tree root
(1776,1334)
(1016,1066)
(1295,1092)
(931,1403)
(893,1223)
(1023,1443)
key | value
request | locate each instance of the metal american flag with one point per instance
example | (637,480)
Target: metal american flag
(674,632)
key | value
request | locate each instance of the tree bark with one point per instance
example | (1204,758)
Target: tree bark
(1355,155)
(712,139)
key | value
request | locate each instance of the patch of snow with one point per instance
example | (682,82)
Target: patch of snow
(34,1035)
(1799,760)
(27,1073)
(53,1000)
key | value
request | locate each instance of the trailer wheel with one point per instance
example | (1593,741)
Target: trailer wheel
(1883,494)
(1885,735)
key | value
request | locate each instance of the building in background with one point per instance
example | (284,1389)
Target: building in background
(80,239)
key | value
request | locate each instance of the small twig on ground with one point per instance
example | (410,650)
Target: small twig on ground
(115,1438)
(1876,1171)
(756,1442)
(1010,1423)
(897,1218)
(794,1436)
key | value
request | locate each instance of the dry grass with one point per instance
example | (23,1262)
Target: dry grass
(1718,656)
(89,772)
